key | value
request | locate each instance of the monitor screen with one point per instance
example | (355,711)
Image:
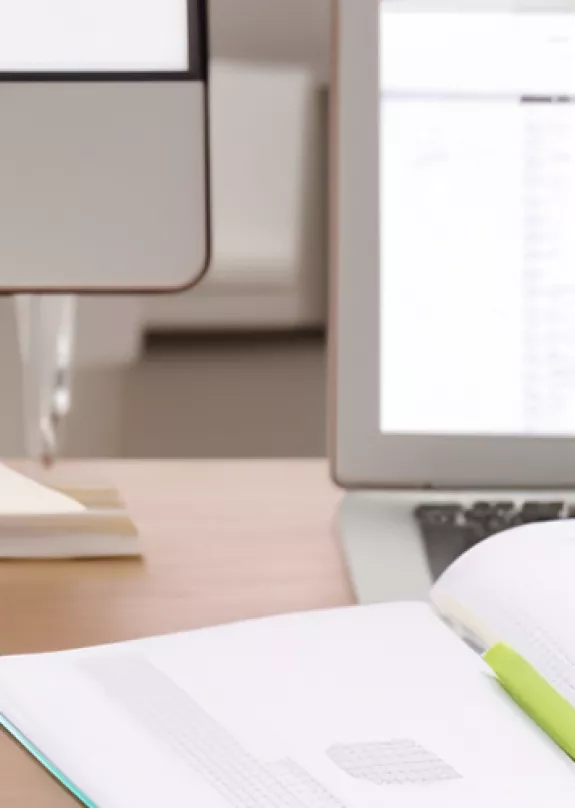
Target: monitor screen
(477,145)
(94,36)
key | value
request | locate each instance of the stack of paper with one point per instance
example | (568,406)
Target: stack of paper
(38,521)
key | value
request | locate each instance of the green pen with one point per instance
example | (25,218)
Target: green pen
(533,693)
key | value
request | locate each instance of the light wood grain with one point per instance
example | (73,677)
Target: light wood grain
(223,542)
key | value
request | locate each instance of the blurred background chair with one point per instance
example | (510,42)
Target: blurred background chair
(237,367)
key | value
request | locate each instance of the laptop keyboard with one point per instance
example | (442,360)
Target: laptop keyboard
(450,529)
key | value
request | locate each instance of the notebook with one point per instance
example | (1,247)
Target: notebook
(46,522)
(390,706)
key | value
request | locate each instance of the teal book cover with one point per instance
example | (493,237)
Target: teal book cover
(53,770)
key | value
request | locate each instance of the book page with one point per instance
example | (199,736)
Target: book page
(22,496)
(356,708)
(518,587)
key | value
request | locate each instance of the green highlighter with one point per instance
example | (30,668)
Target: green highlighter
(536,697)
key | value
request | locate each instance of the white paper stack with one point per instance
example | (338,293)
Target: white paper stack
(42,522)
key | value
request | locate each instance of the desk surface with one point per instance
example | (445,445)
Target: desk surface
(223,541)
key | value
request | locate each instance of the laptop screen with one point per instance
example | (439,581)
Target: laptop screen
(78,36)
(477,222)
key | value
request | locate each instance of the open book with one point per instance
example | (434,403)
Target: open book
(376,707)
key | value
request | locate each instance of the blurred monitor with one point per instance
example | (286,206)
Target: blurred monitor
(103,145)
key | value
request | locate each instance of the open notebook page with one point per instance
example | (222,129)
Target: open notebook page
(22,496)
(366,707)
(518,587)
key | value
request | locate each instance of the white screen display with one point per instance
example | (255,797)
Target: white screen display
(93,36)
(477,223)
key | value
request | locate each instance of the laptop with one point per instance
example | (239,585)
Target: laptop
(453,280)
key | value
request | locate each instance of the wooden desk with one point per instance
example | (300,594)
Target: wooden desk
(223,542)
